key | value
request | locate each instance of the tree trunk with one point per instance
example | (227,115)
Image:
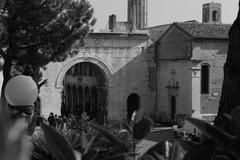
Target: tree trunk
(6,78)
(230,97)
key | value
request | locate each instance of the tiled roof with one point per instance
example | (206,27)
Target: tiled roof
(205,30)
(157,31)
(194,28)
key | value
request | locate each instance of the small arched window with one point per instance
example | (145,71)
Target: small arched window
(205,16)
(215,16)
(205,79)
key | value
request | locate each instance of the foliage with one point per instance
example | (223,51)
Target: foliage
(166,150)
(57,144)
(76,144)
(34,33)
(226,146)
(112,138)
(42,31)
(215,143)
(40,148)
(110,144)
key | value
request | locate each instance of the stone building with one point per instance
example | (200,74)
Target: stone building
(137,13)
(169,70)
(212,13)
(190,58)
(108,74)
(136,18)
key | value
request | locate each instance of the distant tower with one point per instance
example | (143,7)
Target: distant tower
(211,13)
(137,13)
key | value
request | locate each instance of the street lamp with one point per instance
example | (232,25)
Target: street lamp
(21,92)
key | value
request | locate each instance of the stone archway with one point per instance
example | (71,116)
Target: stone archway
(95,60)
(86,85)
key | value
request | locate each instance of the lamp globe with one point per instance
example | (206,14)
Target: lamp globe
(21,90)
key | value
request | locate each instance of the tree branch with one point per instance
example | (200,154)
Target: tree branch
(32,45)
(238,16)
(3,54)
(42,83)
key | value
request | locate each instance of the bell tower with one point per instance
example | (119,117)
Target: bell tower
(137,14)
(211,13)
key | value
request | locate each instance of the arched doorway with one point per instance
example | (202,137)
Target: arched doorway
(215,15)
(87,83)
(173,107)
(133,104)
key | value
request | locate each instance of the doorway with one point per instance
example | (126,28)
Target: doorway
(173,107)
(85,91)
(133,104)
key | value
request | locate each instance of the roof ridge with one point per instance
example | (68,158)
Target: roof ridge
(206,30)
(158,26)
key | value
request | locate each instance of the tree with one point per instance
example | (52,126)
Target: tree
(36,32)
(230,97)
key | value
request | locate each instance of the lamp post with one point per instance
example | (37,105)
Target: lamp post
(21,92)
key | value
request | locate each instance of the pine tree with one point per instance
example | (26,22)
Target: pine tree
(36,32)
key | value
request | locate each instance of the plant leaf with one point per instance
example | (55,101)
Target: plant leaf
(158,156)
(121,156)
(147,157)
(214,132)
(77,154)
(91,154)
(128,128)
(187,144)
(203,151)
(228,117)
(58,145)
(159,148)
(86,144)
(177,152)
(142,128)
(112,138)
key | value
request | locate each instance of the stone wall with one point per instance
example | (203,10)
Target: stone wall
(213,53)
(175,73)
(174,45)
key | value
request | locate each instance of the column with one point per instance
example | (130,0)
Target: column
(196,92)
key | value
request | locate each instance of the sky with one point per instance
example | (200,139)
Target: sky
(161,11)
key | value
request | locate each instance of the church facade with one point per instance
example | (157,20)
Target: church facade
(166,70)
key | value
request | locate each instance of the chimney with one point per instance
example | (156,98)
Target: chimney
(112,22)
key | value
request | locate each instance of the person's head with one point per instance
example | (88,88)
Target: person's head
(51,114)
